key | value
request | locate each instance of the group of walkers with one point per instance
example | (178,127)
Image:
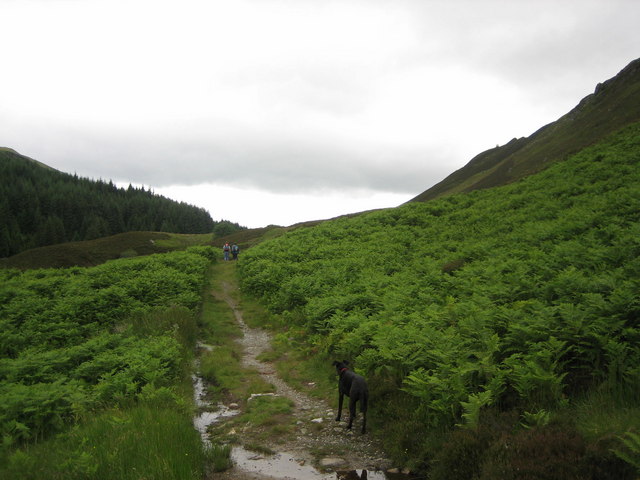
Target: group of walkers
(234,250)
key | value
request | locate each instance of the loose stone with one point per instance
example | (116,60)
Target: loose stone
(330,462)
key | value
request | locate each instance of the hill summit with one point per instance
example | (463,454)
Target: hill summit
(614,104)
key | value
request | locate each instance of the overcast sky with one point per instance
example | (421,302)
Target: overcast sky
(279,111)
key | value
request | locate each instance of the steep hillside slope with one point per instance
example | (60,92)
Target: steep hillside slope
(614,104)
(10,152)
(500,327)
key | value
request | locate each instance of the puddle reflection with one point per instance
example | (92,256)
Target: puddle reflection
(202,420)
(285,466)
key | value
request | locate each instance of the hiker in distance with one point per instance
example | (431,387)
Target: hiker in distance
(226,249)
(235,250)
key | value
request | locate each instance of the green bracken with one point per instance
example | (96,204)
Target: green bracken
(522,298)
(95,370)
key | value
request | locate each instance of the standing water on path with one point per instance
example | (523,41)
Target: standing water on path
(205,416)
(287,467)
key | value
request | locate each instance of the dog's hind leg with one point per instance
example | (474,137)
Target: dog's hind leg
(352,412)
(364,422)
(363,408)
(340,399)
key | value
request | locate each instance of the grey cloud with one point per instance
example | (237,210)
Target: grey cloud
(295,167)
(283,165)
(582,46)
(544,47)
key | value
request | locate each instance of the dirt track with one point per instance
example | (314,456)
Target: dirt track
(316,429)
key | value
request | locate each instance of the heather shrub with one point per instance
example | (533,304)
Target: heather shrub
(459,458)
(603,463)
(549,453)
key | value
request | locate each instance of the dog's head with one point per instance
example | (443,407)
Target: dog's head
(341,366)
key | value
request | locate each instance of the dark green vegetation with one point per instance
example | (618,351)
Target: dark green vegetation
(225,227)
(503,325)
(95,369)
(40,206)
(131,244)
(614,104)
(94,252)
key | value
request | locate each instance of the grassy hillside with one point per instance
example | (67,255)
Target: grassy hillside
(131,244)
(94,252)
(10,152)
(500,330)
(614,104)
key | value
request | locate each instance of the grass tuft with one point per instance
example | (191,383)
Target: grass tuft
(128,444)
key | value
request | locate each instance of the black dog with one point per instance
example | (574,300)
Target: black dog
(355,387)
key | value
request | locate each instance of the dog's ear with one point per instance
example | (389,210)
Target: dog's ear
(346,362)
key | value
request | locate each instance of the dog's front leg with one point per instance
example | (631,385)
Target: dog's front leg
(340,399)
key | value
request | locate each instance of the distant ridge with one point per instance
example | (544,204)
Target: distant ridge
(13,153)
(614,104)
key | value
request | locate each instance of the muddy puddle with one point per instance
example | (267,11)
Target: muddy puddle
(285,466)
(282,465)
(207,414)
